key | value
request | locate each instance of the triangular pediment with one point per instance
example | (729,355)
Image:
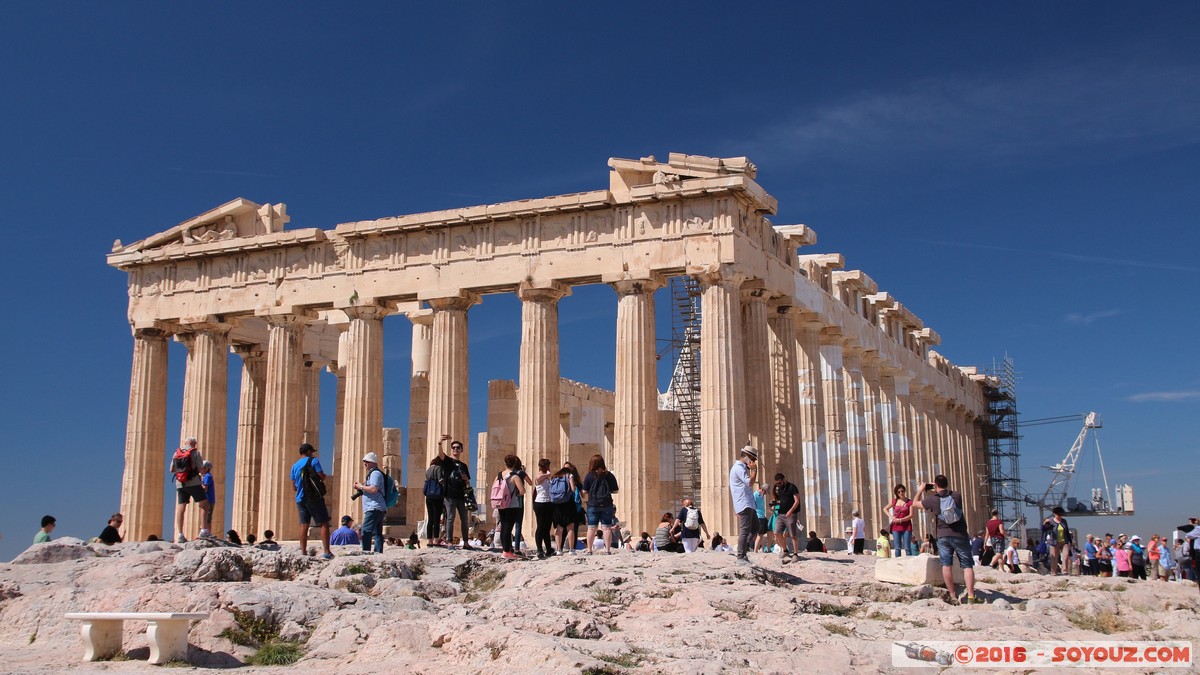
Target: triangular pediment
(235,219)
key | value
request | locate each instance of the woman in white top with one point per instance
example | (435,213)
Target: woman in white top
(1012,560)
(543,510)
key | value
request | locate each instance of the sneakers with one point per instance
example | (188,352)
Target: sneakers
(326,556)
(468,547)
(205,534)
(509,555)
(181,539)
(743,560)
(972,600)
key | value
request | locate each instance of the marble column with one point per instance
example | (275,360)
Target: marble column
(418,414)
(756,374)
(362,425)
(282,430)
(923,470)
(902,453)
(834,389)
(537,395)
(878,492)
(310,407)
(785,404)
(856,429)
(145,437)
(449,399)
(722,397)
(635,456)
(206,403)
(248,454)
(812,426)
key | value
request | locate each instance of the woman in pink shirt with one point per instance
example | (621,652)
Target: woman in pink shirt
(900,511)
(1121,559)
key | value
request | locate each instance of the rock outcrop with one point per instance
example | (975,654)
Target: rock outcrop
(438,611)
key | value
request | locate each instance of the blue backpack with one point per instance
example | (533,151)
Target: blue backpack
(560,490)
(391,496)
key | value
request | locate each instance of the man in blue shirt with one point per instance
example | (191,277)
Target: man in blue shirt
(306,475)
(374,504)
(741,488)
(344,535)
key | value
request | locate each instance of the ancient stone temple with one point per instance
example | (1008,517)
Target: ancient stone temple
(834,381)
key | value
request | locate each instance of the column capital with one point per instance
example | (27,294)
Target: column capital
(551,292)
(832,335)
(627,284)
(249,351)
(150,334)
(366,310)
(211,324)
(719,275)
(287,317)
(420,317)
(460,300)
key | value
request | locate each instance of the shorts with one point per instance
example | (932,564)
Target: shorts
(948,547)
(563,515)
(785,524)
(313,511)
(762,526)
(194,492)
(605,516)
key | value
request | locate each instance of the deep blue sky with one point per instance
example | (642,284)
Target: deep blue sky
(1024,177)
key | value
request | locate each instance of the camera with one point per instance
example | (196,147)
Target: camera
(929,486)
(356,495)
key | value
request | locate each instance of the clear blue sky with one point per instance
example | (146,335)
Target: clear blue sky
(1023,176)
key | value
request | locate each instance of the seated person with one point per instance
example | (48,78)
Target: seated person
(814,544)
(110,535)
(345,535)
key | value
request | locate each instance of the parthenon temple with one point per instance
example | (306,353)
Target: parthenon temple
(834,381)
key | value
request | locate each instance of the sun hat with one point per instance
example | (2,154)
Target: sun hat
(371,457)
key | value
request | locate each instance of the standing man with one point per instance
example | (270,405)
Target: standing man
(109,535)
(186,465)
(457,477)
(210,494)
(741,488)
(690,522)
(786,521)
(43,535)
(952,533)
(307,479)
(374,505)
(858,532)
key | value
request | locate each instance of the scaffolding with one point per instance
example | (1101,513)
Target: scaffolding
(685,381)
(1003,473)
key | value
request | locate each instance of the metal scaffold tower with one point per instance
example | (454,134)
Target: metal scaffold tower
(1003,473)
(685,381)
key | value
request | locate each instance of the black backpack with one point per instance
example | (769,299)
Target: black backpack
(601,491)
(311,481)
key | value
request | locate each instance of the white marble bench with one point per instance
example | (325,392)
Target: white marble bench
(167,632)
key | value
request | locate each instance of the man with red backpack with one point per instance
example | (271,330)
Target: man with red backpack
(186,464)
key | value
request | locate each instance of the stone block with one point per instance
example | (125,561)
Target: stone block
(914,570)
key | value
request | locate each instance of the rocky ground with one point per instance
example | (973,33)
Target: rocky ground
(438,611)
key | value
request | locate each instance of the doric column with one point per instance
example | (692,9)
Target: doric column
(722,396)
(310,406)
(248,455)
(902,453)
(834,389)
(449,398)
(874,403)
(785,403)
(756,376)
(145,437)
(537,395)
(206,405)
(282,430)
(922,457)
(812,426)
(635,411)
(856,428)
(418,413)
(362,425)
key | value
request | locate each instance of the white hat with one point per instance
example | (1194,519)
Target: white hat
(371,457)
(1135,538)
(750,452)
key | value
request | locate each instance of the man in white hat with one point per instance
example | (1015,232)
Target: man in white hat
(374,505)
(741,488)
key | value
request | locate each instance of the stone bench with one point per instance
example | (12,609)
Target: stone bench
(167,632)
(914,570)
